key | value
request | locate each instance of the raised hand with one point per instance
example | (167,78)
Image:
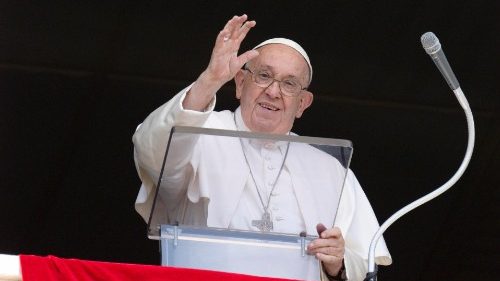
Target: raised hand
(224,63)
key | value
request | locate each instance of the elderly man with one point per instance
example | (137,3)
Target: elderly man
(271,84)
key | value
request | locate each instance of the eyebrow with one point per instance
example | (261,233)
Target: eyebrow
(270,67)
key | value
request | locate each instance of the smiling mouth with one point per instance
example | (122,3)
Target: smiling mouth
(269,106)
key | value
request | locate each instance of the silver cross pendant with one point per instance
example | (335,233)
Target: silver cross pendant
(265,224)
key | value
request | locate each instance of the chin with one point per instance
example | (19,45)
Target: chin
(269,126)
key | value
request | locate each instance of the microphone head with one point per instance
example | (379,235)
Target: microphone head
(430,43)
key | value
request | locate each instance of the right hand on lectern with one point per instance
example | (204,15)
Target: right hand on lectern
(329,248)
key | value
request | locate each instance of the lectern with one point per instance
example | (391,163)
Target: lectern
(202,180)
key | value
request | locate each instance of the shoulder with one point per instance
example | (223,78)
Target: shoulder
(221,120)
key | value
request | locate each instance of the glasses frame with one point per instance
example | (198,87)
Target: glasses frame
(253,74)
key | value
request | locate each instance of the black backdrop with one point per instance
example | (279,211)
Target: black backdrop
(77,77)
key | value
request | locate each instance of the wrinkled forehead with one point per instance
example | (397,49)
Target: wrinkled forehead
(291,44)
(283,61)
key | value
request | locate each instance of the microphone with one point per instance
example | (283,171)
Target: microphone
(432,46)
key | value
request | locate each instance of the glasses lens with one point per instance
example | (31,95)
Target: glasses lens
(262,78)
(290,87)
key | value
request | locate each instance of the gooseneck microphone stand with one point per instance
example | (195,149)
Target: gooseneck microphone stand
(433,48)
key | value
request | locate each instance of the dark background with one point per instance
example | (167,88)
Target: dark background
(77,77)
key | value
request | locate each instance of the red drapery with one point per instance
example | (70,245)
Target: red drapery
(50,268)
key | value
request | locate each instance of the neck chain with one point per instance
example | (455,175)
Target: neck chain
(265,224)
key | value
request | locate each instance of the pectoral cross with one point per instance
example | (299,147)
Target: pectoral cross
(265,224)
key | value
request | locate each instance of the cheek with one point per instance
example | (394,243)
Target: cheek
(250,98)
(246,101)
(293,109)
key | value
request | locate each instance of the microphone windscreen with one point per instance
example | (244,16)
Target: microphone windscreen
(430,43)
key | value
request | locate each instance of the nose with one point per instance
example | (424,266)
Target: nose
(274,90)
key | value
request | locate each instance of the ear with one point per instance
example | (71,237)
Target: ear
(239,78)
(306,99)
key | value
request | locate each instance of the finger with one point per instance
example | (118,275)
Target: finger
(332,233)
(222,37)
(332,251)
(316,245)
(246,57)
(229,23)
(238,22)
(231,30)
(225,33)
(328,250)
(244,29)
(327,258)
(234,25)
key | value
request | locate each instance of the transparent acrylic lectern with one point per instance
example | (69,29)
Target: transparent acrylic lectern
(216,185)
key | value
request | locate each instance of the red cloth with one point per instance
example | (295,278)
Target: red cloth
(35,268)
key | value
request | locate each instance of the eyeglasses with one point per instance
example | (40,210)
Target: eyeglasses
(288,87)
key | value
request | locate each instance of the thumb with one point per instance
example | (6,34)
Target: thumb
(246,57)
(320,228)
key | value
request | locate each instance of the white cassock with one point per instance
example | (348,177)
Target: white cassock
(202,191)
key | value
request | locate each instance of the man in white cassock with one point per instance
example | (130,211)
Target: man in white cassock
(271,84)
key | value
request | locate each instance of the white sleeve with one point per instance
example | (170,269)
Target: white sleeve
(358,222)
(150,141)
